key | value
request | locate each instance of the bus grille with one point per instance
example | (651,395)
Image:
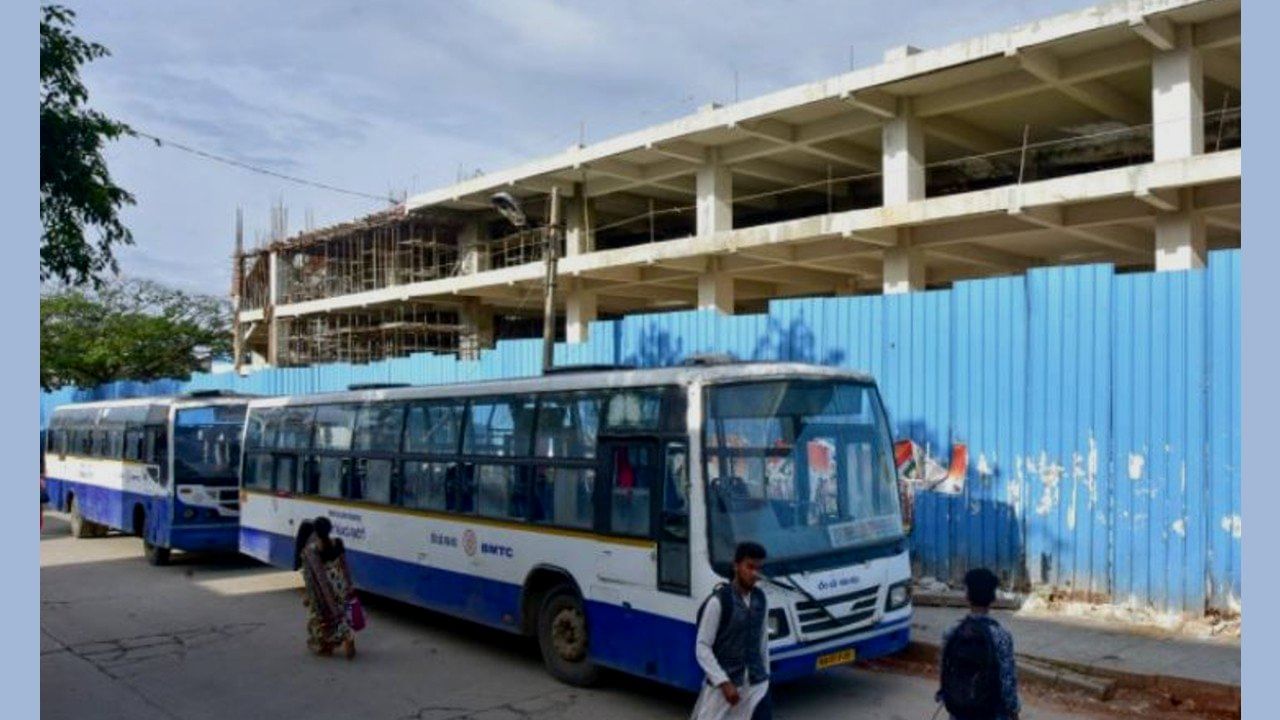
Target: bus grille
(229,501)
(842,611)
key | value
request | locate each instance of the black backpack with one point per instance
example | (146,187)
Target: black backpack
(725,592)
(970,673)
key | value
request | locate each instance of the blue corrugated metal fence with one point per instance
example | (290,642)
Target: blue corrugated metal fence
(1101,413)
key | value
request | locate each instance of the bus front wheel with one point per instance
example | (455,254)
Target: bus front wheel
(563,638)
(155,554)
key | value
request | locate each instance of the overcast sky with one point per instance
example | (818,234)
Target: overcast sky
(401,96)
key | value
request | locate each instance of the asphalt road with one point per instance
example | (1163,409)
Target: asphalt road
(223,637)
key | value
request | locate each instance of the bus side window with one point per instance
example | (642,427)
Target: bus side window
(378,430)
(258,470)
(134,443)
(158,450)
(673,523)
(334,427)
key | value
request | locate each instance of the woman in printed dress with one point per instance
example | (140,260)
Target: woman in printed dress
(328,587)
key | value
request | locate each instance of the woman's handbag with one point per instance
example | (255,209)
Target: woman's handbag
(355,614)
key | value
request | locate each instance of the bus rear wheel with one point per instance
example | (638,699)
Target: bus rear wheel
(81,528)
(563,638)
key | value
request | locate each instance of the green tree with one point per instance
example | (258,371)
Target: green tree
(76,190)
(128,330)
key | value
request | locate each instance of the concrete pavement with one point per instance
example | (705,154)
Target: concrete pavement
(223,638)
(1103,649)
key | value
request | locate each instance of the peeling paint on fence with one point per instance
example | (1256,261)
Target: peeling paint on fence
(1102,411)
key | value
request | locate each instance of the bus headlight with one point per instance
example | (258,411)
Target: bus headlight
(777,624)
(899,596)
(188,513)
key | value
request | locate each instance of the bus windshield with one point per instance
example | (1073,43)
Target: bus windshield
(206,443)
(803,467)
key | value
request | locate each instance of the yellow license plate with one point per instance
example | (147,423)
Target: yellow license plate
(843,657)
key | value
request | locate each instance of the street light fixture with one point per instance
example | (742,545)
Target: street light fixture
(509,207)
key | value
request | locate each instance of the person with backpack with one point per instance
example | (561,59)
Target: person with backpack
(979,679)
(732,642)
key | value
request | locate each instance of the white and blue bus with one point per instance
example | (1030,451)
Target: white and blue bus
(163,468)
(595,509)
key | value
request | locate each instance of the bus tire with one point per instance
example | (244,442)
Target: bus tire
(155,554)
(80,528)
(563,638)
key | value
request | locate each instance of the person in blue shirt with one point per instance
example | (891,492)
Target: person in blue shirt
(979,678)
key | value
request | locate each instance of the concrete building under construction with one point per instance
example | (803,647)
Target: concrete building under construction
(1111,134)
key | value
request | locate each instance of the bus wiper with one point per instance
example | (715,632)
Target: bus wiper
(794,586)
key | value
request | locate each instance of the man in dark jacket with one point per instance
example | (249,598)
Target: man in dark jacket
(732,646)
(979,679)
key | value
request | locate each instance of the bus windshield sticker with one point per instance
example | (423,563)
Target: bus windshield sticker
(856,531)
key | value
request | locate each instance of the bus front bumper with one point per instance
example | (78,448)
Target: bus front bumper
(219,537)
(799,661)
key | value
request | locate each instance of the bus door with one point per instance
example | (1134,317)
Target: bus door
(645,494)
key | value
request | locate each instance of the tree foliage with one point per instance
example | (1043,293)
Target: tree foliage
(128,330)
(76,190)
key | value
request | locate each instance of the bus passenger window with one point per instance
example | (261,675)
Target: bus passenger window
(372,480)
(564,497)
(567,426)
(258,471)
(634,467)
(378,427)
(460,489)
(426,484)
(433,428)
(331,471)
(134,444)
(334,427)
(499,427)
(498,491)
(286,473)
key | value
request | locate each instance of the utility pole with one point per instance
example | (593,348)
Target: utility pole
(552,235)
(237,293)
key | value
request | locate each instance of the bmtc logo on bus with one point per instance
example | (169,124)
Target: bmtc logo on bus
(469,546)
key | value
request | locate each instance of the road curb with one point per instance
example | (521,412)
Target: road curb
(1097,682)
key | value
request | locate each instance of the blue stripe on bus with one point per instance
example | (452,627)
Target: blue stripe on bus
(623,638)
(114,509)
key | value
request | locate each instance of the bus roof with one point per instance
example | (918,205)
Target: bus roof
(156,400)
(589,379)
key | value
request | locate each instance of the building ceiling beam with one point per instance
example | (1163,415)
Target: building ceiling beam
(1158,31)
(966,135)
(1093,94)
(1222,67)
(971,254)
(1222,32)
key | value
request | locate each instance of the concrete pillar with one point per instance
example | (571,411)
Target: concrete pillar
(1177,131)
(1180,237)
(902,181)
(579,219)
(903,270)
(580,310)
(902,166)
(715,198)
(473,253)
(477,329)
(715,290)
(1177,100)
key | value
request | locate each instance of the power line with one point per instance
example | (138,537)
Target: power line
(261,171)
